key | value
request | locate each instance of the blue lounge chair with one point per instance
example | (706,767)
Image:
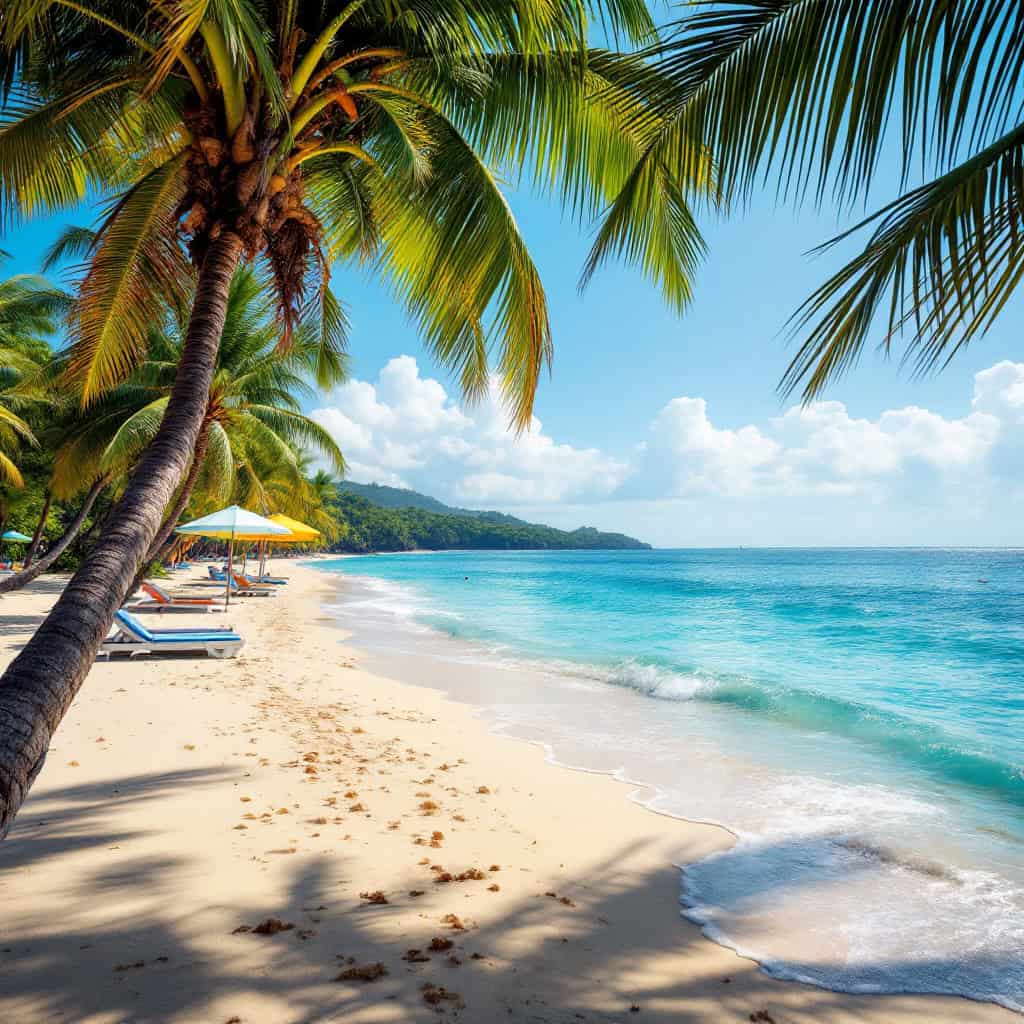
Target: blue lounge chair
(131,637)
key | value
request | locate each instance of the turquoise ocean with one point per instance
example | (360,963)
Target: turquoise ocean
(854,717)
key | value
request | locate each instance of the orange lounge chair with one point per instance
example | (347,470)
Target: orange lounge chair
(161,601)
(240,585)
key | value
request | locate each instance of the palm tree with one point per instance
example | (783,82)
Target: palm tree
(254,425)
(81,464)
(30,309)
(812,92)
(319,511)
(253,418)
(300,134)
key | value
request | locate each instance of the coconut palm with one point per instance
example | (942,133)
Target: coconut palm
(301,134)
(813,92)
(310,502)
(253,419)
(254,426)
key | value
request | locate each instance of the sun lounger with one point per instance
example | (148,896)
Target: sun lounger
(275,581)
(241,586)
(132,637)
(161,601)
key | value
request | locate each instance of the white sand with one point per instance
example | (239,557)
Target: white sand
(183,799)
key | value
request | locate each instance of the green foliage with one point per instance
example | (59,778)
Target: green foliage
(809,93)
(374,132)
(373,528)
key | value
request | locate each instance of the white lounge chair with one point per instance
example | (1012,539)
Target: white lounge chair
(132,637)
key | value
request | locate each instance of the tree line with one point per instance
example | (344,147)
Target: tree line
(369,527)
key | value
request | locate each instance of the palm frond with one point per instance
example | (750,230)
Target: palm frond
(217,474)
(132,437)
(455,258)
(138,266)
(942,261)
(10,475)
(299,430)
(72,243)
(321,343)
(806,88)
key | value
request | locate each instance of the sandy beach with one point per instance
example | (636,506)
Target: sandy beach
(286,837)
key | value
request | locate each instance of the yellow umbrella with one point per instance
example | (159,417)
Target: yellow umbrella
(301,533)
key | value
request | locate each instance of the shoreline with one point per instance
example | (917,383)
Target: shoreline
(457,656)
(135,861)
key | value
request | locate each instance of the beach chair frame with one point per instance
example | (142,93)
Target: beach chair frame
(132,637)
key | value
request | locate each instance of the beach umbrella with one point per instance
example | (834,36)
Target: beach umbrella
(17,538)
(233,524)
(301,533)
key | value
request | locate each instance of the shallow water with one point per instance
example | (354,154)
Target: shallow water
(854,717)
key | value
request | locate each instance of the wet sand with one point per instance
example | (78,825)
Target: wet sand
(286,837)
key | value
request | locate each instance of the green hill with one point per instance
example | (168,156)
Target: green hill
(401,497)
(380,518)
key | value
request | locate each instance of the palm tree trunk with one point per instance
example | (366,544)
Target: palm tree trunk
(38,535)
(27,575)
(156,549)
(40,684)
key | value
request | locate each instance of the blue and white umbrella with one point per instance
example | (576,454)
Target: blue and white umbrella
(17,538)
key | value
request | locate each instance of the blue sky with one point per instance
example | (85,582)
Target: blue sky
(623,441)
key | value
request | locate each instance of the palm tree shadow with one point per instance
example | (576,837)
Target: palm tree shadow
(62,821)
(539,959)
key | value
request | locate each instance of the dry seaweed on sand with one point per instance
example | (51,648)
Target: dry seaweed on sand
(268,926)
(364,972)
(435,995)
(469,875)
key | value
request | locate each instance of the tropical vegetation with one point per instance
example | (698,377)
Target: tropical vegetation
(254,448)
(372,527)
(235,145)
(296,136)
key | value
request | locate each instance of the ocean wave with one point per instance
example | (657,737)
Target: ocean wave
(854,886)
(896,922)
(926,747)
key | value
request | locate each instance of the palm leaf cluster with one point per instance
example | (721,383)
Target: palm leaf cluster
(364,130)
(817,95)
(30,310)
(259,449)
(257,441)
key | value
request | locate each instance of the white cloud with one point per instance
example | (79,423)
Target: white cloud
(405,430)
(815,449)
